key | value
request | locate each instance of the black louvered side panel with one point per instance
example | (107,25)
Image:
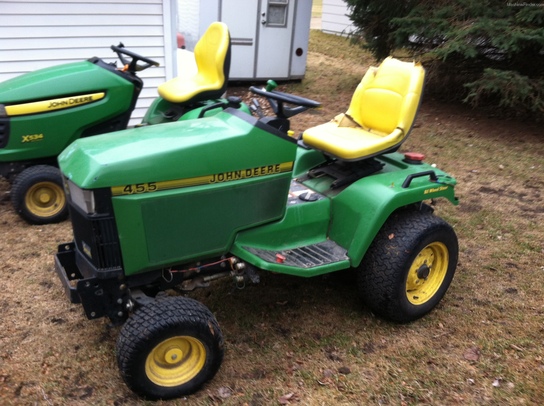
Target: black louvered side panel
(4,131)
(96,238)
(106,243)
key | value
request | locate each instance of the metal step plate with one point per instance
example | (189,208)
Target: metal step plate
(308,256)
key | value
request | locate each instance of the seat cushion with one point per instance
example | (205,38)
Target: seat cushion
(180,89)
(348,142)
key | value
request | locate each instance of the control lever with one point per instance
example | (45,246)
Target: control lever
(256,108)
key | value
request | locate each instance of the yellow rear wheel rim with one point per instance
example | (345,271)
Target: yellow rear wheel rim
(427,273)
(45,199)
(175,361)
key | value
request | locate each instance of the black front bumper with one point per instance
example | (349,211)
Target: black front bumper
(67,270)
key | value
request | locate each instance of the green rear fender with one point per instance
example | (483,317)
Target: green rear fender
(360,211)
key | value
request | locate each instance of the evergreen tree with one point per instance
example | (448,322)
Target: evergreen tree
(482,50)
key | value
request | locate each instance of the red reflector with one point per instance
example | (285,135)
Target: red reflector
(280,259)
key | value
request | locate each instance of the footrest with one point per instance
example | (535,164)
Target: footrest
(309,256)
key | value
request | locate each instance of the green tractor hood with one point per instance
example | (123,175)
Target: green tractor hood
(49,82)
(227,144)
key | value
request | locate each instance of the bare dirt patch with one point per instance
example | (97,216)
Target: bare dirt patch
(298,341)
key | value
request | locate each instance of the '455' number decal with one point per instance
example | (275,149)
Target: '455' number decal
(231,176)
(139,188)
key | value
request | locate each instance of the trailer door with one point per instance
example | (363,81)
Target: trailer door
(240,17)
(275,39)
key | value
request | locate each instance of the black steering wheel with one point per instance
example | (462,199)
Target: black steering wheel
(133,65)
(277,99)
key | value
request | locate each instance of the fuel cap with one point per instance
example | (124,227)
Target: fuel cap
(414,158)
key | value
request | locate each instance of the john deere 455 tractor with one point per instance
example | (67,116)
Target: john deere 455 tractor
(231,195)
(42,112)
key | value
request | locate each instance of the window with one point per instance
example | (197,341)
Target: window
(277,13)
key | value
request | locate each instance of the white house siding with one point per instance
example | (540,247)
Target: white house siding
(334,18)
(36,34)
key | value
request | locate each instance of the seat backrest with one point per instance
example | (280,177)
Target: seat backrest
(388,97)
(212,57)
(212,60)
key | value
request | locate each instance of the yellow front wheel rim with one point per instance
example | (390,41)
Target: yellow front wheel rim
(427,273)
(175,361)
(45,199)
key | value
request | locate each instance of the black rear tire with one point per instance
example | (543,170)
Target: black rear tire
(409,266)
(38,195)
(169,348)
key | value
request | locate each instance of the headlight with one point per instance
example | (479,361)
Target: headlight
(82,198)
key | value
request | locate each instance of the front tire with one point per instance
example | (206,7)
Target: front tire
(409,266)
(169,348)
(38,196)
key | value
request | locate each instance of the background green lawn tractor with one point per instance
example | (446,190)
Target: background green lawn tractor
(42,112)
(179,205)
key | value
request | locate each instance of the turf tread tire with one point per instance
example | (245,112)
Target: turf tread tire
(151,324)
(24,181)
(381,276)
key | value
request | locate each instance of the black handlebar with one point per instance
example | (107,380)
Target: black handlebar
(276,100)
(133,65)
(286,97)
(409,178)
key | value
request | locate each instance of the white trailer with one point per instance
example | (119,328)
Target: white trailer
(269,37)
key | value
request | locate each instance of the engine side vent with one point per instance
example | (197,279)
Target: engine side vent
(4,131)
(96,239)
(106,243)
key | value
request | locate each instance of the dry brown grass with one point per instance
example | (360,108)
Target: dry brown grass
(309,341)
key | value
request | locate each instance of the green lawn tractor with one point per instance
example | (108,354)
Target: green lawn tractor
(43,112)
(177,206)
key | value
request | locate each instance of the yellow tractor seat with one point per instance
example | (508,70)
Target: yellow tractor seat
(379,117)
(212,57)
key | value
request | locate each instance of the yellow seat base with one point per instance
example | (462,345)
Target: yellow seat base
(181,90)
(344,139)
